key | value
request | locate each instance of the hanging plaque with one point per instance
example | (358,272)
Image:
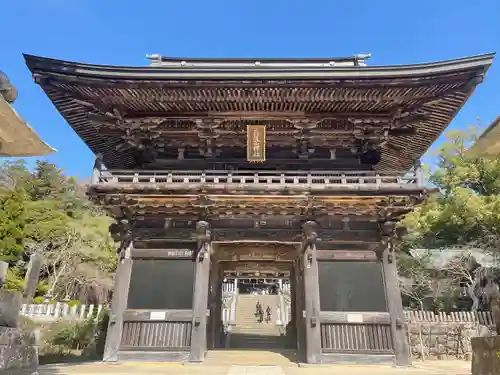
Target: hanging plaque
(256,143)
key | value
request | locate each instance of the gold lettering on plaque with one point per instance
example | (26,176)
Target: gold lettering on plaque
(256,143)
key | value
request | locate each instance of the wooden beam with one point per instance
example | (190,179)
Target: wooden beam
(337,317)
(148,316)
(348,255)
(331,236)
(256,115)
(162,253)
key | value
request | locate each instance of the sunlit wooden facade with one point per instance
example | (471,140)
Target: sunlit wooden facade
(217,167)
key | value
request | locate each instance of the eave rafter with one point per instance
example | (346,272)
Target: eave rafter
(206,206)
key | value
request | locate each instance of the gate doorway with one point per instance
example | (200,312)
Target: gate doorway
(238,287)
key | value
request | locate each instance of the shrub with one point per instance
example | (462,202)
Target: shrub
(96,349)
(66,336)
(41,300)
(74,302)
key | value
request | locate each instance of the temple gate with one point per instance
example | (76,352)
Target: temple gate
(217,167)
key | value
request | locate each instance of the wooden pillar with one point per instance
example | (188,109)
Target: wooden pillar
(200,295)
(215,298)
(393,296)
(311,294)
(298,319)
(119,302)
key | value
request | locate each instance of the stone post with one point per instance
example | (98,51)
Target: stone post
(32,276)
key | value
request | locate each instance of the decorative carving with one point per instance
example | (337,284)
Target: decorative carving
(309,234)
(309,240)
(202,201)
(120,230)
(388,234)
(256,252)
(257,234)
(203,238)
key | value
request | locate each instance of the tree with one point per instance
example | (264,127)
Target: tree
(466,211)
(415,279)
(50,214)
(12,225)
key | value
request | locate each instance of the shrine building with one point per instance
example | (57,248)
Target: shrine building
(284,178)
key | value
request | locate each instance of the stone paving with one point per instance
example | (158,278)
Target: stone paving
(454,367)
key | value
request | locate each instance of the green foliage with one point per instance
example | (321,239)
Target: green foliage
(50,214)
(13,281)
(88,336)
(38,300)
(12,225)
(466,211)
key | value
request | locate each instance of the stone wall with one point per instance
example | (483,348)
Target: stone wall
(486,355)
(18,351)
(18,347)
(439,340)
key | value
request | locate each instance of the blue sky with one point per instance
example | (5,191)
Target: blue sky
(123,32)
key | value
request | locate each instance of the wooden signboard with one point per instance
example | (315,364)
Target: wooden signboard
(256,143)
(162,253)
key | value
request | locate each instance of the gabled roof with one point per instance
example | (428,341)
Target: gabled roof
(433,92)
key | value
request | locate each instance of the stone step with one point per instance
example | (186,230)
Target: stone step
(235,338)
(253,344)
(254,329)
(251,357)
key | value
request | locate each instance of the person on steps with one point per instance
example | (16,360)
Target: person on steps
(268,314)
(258,307)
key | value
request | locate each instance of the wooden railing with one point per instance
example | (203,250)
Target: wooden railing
(272,179)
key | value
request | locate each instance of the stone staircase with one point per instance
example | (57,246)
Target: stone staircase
(247,332)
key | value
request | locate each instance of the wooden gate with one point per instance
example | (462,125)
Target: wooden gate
(356,333)
(354,321)
(157,323)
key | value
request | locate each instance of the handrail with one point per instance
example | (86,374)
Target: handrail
(257,178)
(232,311)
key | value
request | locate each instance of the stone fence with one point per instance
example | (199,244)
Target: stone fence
(446,336)
(60,310)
